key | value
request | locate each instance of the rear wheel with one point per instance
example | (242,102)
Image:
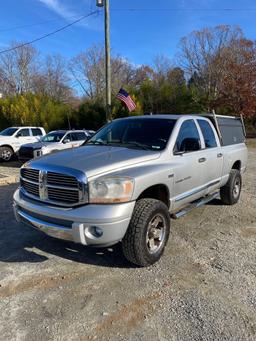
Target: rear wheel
(6,153)
(147,233)
(230,193)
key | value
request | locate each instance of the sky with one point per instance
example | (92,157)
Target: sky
(154,29)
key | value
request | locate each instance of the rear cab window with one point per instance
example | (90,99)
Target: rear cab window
(208,134)
(36,132)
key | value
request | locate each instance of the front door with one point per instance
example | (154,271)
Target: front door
(24,136)
(189,159)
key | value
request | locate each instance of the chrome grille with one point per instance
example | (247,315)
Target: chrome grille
(30,174)
(61,180)
(60,194)
(53,187)
(30,187)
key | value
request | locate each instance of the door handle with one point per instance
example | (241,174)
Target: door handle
(219,155)
(202,159)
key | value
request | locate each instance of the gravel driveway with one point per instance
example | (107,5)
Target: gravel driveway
(204,288)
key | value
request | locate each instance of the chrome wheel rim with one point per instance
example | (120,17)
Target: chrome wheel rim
(6,155)
(156,233)
(236,188)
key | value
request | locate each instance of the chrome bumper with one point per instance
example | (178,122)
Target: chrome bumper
(75,223)
(51,229)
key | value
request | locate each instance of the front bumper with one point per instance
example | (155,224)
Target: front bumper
(76,224)
(27,153)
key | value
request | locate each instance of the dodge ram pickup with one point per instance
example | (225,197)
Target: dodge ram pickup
(11,139)
(128,181)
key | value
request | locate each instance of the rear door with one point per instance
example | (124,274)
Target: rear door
(214,158)
(36,133)
(78,138)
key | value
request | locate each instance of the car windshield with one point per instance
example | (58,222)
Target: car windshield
(142,133)
(53,137)
(8,131)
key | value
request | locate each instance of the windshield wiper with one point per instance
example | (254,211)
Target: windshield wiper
(137,144)
(97,143)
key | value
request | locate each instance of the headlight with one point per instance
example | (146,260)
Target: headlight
(110,190)
(44,150)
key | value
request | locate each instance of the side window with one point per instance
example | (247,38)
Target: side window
(23,132)
(188,139)
(36,132)
(67,138)
(78,136)
(209,137)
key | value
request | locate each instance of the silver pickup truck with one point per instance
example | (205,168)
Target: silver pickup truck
(131,178)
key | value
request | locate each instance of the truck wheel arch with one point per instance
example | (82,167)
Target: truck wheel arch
(237,165)
(158,192)
(7,145)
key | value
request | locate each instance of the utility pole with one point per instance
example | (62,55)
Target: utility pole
(105,4)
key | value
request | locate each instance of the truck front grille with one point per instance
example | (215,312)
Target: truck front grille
(61,180)
(30,174)
(64,195)
(30,187)
(53,187)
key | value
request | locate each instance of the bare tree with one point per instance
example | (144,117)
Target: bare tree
(204,54)
(17,68)
(52,78)
(88,70)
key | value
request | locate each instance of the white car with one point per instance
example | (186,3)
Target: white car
(53,142)
(11,139)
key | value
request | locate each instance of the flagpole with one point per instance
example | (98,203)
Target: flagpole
(108,62)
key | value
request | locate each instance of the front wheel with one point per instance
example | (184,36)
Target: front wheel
(6,153)
(148,232)
(230,193)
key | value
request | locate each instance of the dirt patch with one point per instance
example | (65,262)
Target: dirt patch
(15,287)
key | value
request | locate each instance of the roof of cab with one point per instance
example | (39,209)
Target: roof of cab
(159,116)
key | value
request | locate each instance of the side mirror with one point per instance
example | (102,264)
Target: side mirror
(181,152)
(66,141)
(190,145)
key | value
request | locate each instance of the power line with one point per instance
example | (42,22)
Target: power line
(132,10)
(38,24)
(183,9)
(49,34)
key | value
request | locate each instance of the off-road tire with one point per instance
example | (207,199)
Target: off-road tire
(134,244)
(230,193)
(8,153)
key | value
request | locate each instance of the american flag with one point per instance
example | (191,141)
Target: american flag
(126,98)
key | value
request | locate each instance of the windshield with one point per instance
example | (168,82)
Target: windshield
(8,131)
(144,133)
(53,137)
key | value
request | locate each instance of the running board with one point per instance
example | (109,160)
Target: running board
(195,204)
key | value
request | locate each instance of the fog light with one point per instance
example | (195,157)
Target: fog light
(95,231)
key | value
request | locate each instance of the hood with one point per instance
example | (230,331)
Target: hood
(35,145)
(38,145)
(95,160)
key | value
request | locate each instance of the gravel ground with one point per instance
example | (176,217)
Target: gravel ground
(204,288)
(9,171)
